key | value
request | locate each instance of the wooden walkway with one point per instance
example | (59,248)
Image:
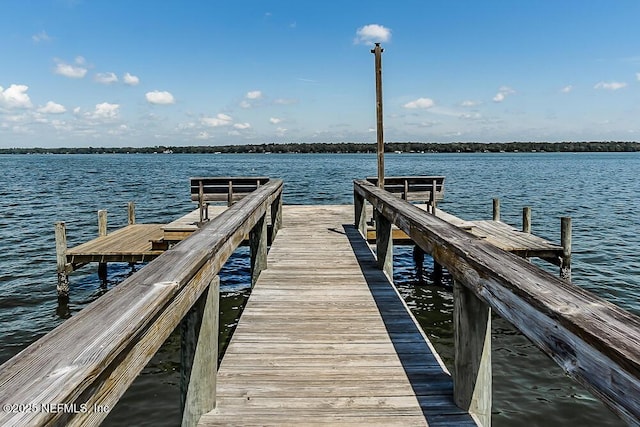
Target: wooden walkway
(326,339)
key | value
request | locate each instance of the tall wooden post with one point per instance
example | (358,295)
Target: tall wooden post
(472,347)
(496,209)
(258,248)
(199,345)
(565,242)
(384,244)
(131,213)
(102,231)
(61,260)
(377,51)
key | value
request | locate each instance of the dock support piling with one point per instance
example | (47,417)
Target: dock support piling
(131,213)
(199,356)
(258,247)
(61,260)
(102,222)
(472,364)
(565,242)
(360,214)
(384,244)
(526,220)
(496,209)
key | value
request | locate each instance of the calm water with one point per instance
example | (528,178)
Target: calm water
(599,191)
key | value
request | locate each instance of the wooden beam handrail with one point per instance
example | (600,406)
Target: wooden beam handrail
(593,340)
(90,360)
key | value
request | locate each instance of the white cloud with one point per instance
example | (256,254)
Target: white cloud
(372,33)
(105,110)
(42,36)
(254,94)
(245,104)
(203,135)
(76,71)
(242,126)
(52,108)
(160,97)
(106,78)
(219,120)
(285,101)
(130,79)
(274,120)
(281,131)
(566,89)
(420,103)
(15,97)
(502,94)
(610,85)
(469,103)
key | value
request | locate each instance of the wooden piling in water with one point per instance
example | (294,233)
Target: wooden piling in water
(526,220)
(131,213)
(199,356)
(61,260)
(496,209)
(565,242)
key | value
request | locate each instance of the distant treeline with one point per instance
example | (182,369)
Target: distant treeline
(350,147)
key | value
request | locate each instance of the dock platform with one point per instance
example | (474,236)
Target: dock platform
(132,243)
(325,338)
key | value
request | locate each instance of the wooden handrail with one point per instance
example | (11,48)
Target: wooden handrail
(593,340)
(89,361)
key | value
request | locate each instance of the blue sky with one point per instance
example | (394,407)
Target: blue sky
(146,73)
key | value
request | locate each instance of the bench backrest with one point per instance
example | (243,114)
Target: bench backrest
(414,188)
(228,189)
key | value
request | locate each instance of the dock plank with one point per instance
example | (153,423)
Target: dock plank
(325,339)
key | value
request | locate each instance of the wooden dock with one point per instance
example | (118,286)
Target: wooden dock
(325,338)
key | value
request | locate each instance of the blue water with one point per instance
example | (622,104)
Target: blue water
(599,191)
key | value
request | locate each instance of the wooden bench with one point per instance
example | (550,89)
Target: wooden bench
(228,189)
(429,189)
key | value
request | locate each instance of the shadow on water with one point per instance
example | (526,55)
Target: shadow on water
(431,385)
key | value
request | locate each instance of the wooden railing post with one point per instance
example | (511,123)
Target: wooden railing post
(360,214)
(434,190)
(102,231)
(496,209)
(276,216)
(472,341)
(230,194)
(258,247)
(384,244)
(199,345)
(131,213)
(201,204)
(526,219)
(565,242)
(61,260)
